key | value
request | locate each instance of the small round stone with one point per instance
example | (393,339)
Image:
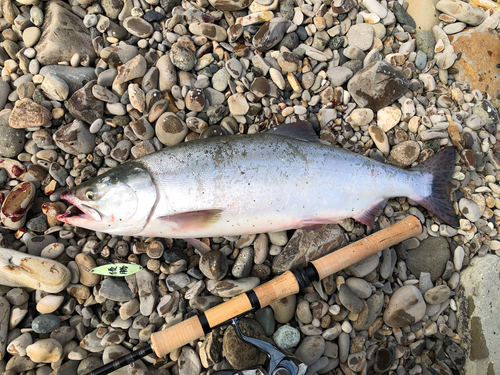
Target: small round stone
(286,337)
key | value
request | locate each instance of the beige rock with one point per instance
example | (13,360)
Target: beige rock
(55,88)
(230,5)
(4,324)
(27,113)
(134,68)
(238,104)
(19,344)
(85,263)
(52,251)
(256,7)
(362,116)
(388,117)
(79,291)
(424,13)
(45,351)
(209,30)
(137,97)
(380,139)
(23,270)
(167,73)
(253,18)
(17,314)
(49,304)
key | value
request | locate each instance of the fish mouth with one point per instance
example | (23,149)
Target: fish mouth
(77,211)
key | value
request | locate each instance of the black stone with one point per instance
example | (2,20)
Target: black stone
(301,33)
(336,42)
(290,41)
(152,16)
(402,16)
(172,256)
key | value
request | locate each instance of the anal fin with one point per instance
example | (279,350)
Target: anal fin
(368,217)
(192,220)
(198,245)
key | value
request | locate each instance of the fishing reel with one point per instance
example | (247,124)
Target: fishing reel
(280,363)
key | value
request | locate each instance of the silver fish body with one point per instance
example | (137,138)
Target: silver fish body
(247,184)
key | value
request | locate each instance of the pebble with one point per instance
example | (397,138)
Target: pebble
(286,337)
(469,209)
(360,36)
(170,130)
(388,118)
(45,351)
(45,323)
(284,309)
(11,140)
(238,104)
(406,307)
(138,27)
(437,295)
(64,138)
(310,349)
(270,34)
(115,290)
(348,299)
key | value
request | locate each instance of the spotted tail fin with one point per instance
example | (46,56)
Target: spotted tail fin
(441,166)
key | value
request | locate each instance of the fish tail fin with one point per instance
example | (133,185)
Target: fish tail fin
(441,166)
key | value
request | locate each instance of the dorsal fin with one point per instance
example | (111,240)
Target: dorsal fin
(301,130)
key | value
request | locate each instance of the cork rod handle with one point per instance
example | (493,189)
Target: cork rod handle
(281,286)
(365,247)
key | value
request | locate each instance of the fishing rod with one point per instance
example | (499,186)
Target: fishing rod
(284,285)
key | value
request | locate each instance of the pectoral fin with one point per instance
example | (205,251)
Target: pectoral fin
(308,223)
(368,217)
(192,220)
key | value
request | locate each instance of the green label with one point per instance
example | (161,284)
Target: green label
(117,269)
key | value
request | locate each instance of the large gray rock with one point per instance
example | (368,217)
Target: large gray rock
(63,35)
(377,85)
(431,256)
(308,245)
(75,77)
(478,306)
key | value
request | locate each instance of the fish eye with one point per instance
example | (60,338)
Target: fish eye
(89,194)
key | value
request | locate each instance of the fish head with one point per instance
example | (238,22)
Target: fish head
(118,201)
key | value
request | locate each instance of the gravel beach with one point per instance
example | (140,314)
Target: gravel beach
(87,85)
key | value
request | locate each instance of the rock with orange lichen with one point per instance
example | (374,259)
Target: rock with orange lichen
(23,270)
(480,56)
